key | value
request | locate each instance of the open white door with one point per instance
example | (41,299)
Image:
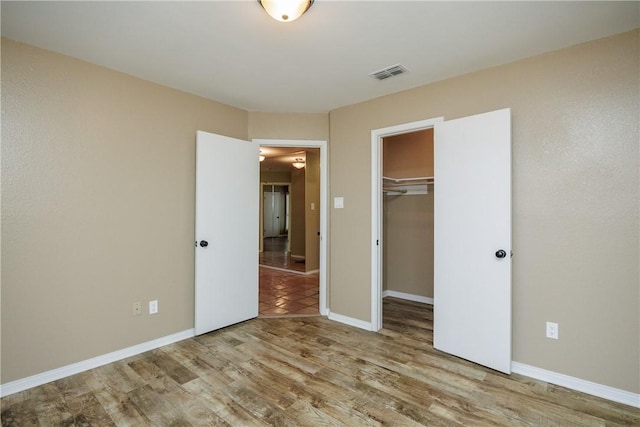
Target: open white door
(227,215)
(472,242)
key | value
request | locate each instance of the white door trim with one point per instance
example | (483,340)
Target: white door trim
(376,208)
(324,203)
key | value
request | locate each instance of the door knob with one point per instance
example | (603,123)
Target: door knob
(204,243)
(501,254)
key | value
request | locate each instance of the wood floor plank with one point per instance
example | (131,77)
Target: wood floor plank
(303,389)
(115,402)
(308,371)
(220,401)
(20,414)
(159,411)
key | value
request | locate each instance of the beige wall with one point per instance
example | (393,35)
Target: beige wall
(312,216)
(297,243)
(575,200)
(408,155)
(275,176)
(289,126)
(98,172)
(408,244)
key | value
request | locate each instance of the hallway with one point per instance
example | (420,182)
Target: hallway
(285,290)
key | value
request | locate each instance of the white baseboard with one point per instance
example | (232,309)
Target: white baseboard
(75,368)
(584,386)
(350,321)
(409,297)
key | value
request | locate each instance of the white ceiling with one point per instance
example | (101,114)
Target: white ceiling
(280,158)
(234,53)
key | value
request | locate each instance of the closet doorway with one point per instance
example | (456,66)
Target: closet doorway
(405,191)
(407,216)
(471,238)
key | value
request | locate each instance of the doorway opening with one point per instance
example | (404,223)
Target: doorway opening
(472,235)
(398,174)
(275,246)
(292,227)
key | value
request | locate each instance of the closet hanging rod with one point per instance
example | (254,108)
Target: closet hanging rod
(393,190)
(400,180)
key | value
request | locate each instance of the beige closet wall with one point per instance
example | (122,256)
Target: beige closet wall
(408,219)
(575,200)
(98,173)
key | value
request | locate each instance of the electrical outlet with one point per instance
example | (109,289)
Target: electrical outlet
(552,330)
(137,308)
(153,306)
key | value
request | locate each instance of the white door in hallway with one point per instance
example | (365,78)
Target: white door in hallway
(227,215)
(472,242)
(273,215)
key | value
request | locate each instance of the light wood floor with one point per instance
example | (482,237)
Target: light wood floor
(308,371)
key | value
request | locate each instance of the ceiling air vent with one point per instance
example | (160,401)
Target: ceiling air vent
(394,70)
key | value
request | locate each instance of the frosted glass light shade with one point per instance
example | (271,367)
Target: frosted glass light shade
(298,164)
(285,10)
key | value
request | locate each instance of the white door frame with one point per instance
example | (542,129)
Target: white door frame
(324,203)
(377,136)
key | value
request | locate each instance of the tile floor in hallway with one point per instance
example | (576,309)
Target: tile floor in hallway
(286,293)
(275,254)
(284,288)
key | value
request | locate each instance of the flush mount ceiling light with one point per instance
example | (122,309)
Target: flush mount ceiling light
(261,156)
(298,164)
(285,10)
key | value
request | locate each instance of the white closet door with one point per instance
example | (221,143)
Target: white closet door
(227,220)
(472,242)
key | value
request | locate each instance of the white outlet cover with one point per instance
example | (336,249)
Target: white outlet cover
(552,330)
(338,202)
(153,307)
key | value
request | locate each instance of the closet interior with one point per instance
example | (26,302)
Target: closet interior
(407,210)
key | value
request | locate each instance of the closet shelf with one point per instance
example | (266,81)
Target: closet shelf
(426,179)
(406,186)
